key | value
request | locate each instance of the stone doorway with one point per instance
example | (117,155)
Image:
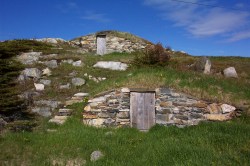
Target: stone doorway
(101,45)
(142,109)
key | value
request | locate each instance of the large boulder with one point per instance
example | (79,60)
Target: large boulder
(32,72)
(78,81)
(29,58)
(230,72)
(203,65)
(111,65)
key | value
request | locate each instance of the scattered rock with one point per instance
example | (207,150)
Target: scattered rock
(81,94)
(69,61)
(29,58)
(78,81)
(230,72)
(77,63)
(203,65)
(67,86)
(111,65)
(51,64)
(39,87)
(73,74)
(96,155)
(45,82)
(32,72)
(47,72)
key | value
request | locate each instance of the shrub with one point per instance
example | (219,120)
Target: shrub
(153,54)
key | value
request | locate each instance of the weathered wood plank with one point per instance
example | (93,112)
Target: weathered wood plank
(101,45)
(142,110)
(150,109)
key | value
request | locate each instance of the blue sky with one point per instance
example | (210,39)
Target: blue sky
(198,27)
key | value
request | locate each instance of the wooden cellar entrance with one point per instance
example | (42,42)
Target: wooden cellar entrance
(142,109)
(101,44)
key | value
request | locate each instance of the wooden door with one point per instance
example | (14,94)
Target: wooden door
(101,45)
(142,110)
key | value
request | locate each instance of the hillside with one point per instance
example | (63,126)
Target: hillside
(45,92)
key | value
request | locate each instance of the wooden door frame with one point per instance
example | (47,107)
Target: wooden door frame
(101,36)
(131,110)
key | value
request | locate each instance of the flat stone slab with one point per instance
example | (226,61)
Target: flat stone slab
(111,65)
(59,119)
(81,94)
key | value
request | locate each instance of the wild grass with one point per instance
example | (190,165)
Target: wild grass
(206,144)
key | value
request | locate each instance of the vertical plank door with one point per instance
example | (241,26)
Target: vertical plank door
(142,106)
(101,45)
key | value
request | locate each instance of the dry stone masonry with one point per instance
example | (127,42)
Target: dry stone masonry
(171,108)
(113,41)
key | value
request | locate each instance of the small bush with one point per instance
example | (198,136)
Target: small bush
(153,54)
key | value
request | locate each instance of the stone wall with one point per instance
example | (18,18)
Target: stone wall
(171,108)
(113,43)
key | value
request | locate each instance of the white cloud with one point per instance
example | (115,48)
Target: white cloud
(240,36)
(97,17)
(202,21)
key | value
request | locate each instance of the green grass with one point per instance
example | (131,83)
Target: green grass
(207,144)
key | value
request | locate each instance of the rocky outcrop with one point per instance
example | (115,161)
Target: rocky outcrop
(29,58)
(51,40)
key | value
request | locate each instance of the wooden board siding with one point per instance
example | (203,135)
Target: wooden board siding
(101,45)
(142,110)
